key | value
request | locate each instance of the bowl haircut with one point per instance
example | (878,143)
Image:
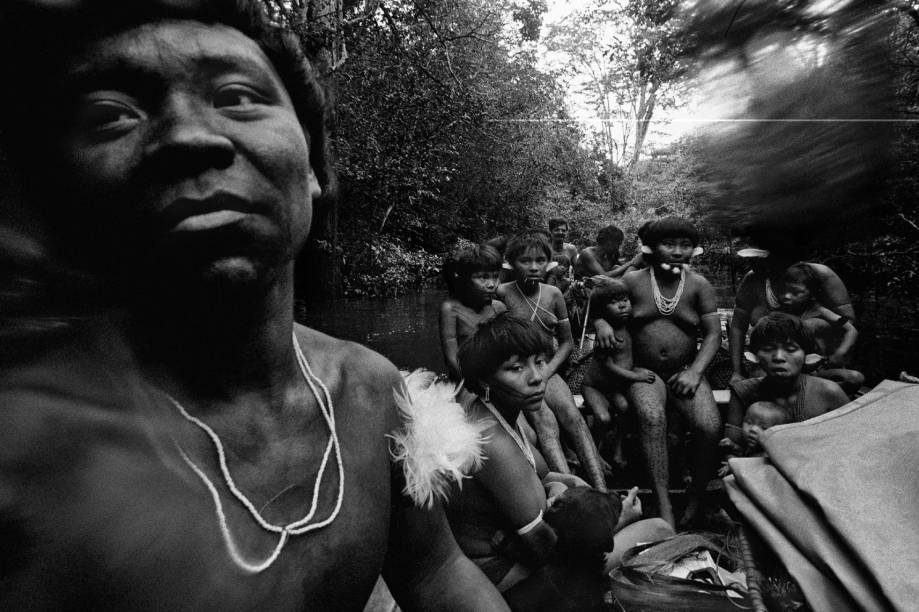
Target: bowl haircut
(466,261)
(780,327)
(655,232)
(494,342)
(530,239)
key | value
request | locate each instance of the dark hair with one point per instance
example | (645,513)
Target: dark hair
(611,290)
(497,339)
(805,274)
(781,327)
(668,227)
(561,259)
(48,38)
(584,520)
(466,261)
(610,233)
(530,239)
(556,222)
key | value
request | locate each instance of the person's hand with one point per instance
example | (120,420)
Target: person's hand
(835,361)
(735,377)
(606,338)
(597,281)
(631,509)
(645,376)
(729,445)
(685,382)
(753,437)
(725,470)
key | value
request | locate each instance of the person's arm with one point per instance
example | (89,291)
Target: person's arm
(685,382)
(638,375)
(569,480)
(633,264)
(850,335)
(448,342)
(744,304)
(737,339)
(734,419)
(562,332)
(425,569)
(520,499)
(835,292)
(589,264)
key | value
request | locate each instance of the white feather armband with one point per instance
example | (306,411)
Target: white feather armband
(437,445)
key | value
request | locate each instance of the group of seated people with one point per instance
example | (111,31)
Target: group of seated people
(657,329)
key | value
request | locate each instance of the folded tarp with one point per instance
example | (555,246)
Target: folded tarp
(841,489)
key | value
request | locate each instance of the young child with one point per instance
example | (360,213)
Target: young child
(612,370)
(759,417)
(834,335)
(471,274)
(527,296)
(559,275)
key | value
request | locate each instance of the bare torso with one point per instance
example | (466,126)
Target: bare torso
(663,344)
(92,453)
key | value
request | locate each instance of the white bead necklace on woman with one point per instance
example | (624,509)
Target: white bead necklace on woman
(666,306)
(516,434)
(297,527)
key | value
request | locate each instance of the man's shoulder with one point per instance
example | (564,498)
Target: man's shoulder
(631,278)
(352,359)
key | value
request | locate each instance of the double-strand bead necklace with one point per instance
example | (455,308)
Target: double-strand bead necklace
(298,527)
(666,306)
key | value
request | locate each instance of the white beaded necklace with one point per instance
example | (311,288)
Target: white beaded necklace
(297,527)
(516,435)
(770,296)
(666,306)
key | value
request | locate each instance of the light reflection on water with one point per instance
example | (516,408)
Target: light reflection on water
(404,329)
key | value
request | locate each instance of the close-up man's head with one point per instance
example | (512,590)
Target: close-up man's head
(187,133)
(558,228)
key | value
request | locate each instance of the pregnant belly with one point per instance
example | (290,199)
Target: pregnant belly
(663,347)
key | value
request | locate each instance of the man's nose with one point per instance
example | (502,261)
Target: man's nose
(186,138)
(779,355)
(537,373)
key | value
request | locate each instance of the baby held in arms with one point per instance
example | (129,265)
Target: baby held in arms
(759,417)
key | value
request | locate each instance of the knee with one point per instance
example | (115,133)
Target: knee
(651,415)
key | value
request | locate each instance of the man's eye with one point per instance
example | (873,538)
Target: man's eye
(237,97)
(107,115)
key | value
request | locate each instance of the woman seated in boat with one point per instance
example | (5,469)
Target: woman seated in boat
(781,343)
(497,515)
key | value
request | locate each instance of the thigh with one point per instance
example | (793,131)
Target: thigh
(646,397)
(700,411)
(596,401)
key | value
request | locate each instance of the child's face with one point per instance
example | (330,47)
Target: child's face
(530,265)
(759,419)
(482,285)
(795,297)
(561,269)
(559,233)
(619,309)
(781,360)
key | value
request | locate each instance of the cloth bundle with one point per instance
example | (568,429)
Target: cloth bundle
(836,501)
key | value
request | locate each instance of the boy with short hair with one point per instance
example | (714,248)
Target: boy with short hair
(559,275)
(612,370)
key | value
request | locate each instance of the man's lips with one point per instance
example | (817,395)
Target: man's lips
(193,213)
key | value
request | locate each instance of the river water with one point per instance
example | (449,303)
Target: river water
(404,329)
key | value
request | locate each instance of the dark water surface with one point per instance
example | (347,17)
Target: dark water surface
(404,329)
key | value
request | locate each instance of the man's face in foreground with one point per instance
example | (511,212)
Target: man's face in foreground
(185,149)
